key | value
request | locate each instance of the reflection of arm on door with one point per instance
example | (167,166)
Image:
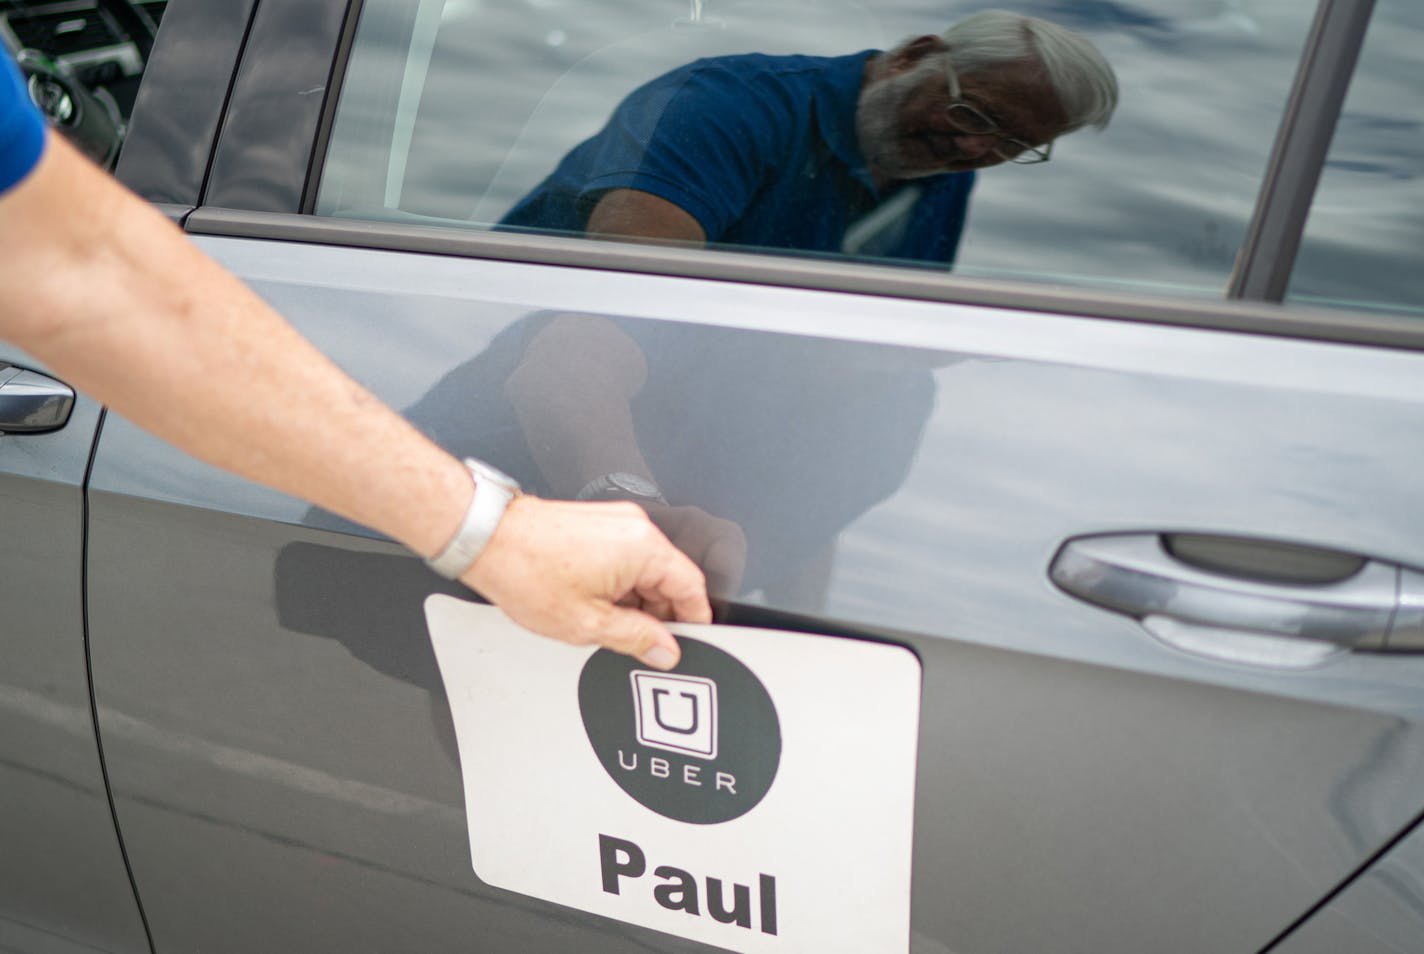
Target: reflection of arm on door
(572,393)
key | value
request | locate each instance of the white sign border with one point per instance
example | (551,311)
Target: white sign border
(835,829)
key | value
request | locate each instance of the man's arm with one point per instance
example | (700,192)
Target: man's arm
(634,214)
(573,394)
(110,294)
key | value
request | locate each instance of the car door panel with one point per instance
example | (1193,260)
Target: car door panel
(55,821)
(1381,911)
(280,747)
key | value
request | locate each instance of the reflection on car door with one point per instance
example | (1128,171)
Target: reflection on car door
(280,744)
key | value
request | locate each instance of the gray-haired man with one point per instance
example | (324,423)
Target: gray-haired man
(816,153)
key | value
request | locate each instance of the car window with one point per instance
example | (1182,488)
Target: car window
(1364,242)
(82,61)
(751,123)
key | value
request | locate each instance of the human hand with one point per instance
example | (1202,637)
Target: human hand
(716,545)
(591,573)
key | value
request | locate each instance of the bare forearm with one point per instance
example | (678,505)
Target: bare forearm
(119,303)
(111,296)
(633,215)
(572,394)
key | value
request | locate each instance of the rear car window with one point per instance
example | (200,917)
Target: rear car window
(457,113)
(1364,242)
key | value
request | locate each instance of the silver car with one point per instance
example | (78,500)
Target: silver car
(1070,598)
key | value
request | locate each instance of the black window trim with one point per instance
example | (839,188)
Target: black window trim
(1273,236)
(328,109)
(281,90)
(182,101)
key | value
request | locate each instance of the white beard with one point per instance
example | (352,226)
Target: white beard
(877,122)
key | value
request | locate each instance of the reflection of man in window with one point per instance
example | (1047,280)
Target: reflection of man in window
(872,153)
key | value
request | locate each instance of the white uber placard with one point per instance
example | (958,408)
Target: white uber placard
(759,797)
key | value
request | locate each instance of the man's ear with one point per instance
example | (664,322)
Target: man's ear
(909,53)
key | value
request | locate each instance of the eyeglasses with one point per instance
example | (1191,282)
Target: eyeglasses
(966,119)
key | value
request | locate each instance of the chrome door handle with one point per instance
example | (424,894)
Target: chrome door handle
(1377,606)
(30,402)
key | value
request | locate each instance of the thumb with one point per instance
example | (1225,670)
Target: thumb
(638,634)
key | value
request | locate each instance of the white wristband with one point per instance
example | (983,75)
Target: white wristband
(493,492)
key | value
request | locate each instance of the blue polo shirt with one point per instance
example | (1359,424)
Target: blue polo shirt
(760,150)
(22,129)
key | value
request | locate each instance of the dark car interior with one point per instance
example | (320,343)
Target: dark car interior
(82,61)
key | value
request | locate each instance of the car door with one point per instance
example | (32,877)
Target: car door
(1158,553)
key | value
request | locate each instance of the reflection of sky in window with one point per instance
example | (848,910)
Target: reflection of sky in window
(1160,199)
(1366,231)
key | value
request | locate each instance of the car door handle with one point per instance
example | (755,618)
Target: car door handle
(1225,610)
(31,403)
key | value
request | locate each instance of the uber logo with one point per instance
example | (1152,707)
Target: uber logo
(700,744)
(676,713)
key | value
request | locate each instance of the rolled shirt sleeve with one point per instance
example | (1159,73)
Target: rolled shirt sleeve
(697,138)
(22,128)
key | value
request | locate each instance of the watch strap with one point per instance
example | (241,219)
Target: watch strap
(493,493)
(621,485)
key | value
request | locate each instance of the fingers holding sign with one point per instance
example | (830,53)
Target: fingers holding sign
(576,571)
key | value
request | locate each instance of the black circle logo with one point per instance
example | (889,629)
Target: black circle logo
(698,744)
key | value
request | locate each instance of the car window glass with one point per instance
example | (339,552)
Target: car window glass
(82,61)
(1364,241)
(454,112)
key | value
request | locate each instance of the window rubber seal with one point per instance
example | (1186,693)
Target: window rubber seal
(335,81)
(1317,96)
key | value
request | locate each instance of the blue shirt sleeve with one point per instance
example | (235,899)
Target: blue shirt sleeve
(697,137)
(22,128)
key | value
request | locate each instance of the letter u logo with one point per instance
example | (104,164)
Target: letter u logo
(688,726)
(675,712)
